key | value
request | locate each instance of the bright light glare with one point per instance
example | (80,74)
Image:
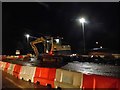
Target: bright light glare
(96,42)
(82,20)
(48,41)
(27,35)
(57,40)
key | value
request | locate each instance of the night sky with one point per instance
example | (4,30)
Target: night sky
(60,19)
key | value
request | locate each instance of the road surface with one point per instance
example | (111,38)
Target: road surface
(11,82)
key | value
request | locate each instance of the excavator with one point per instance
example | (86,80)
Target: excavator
(52,48)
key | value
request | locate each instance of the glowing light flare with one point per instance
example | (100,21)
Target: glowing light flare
(57,40)
(96,42)
(82,20)
(27,35)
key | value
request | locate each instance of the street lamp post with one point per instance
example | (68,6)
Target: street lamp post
(27,36)
(82,21)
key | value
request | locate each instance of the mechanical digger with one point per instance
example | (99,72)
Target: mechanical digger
(53,49)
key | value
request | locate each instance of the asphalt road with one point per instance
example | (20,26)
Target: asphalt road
(11,82)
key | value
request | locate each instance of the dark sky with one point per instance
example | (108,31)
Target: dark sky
(60,19)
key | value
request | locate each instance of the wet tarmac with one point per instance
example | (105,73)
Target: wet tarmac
(93,68)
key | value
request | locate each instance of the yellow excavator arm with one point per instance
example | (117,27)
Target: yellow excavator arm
(38,40)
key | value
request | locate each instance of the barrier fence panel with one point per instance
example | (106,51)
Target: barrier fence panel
(77,80)
(45,76)
(17,70)
(51,76)
(20,57)
(100,82)
(88,81)
(23,71)
(118,84)
(3,64)
(57,78)
(68,79)
(105,82)
(27,73)
(11,68)
(39,74)
(6,66)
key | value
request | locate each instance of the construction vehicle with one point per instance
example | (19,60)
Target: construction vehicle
(52,47)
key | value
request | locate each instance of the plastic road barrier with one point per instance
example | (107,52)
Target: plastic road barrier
(88,81)
(20,57)
(100,82)
(17,70)
(106,82)
(68,79)
(45,76)
(11,68)
(27,73)
(3,64)
(6,66)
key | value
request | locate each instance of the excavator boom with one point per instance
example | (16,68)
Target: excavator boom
(38,40)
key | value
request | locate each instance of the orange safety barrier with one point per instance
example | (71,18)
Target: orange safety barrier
(17,70)
(10,69)
(100,82)
(45,76)
(20,57)
(118,84)
(88,81)
(6,66)
(106,82)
